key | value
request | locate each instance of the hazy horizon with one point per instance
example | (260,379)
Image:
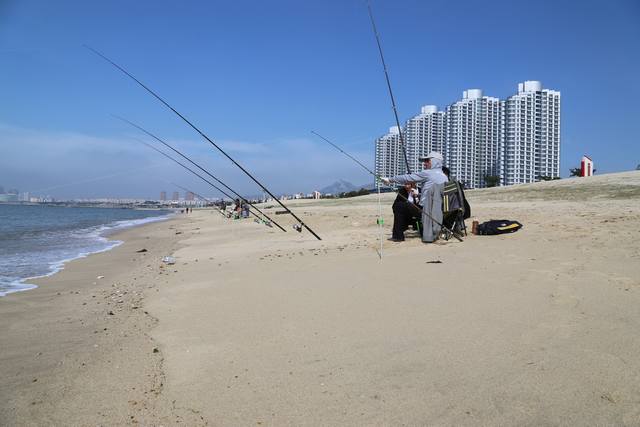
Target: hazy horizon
(258,78)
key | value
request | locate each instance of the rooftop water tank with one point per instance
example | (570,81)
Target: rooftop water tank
(472,94)
(530,86)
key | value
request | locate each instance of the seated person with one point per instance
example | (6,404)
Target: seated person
(433,180)
(403,213)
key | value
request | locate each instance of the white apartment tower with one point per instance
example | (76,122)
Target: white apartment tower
(515,141)
(424,133)
(474,138)
(389,157)
(532,140)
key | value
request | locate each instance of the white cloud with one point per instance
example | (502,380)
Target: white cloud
(243,147)
(72,164)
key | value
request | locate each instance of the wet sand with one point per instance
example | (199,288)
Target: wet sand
(77,350)
(253,326)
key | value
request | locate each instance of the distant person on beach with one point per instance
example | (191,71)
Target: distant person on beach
(403,211)
(432,179)
(237,209)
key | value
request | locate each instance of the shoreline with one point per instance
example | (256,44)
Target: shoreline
(106,233)
(77,336)
(55,268)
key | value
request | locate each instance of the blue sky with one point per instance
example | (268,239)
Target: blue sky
(259,76)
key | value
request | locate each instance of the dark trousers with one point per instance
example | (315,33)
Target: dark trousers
(403,216)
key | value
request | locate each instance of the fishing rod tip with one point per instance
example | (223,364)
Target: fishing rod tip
(86,46)
(115,116)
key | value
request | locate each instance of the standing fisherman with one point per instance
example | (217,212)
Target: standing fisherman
(433,180)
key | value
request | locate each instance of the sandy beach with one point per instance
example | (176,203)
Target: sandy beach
(253,326)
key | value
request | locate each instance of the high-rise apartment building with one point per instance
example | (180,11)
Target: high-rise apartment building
(473,139)
(389,159)
(175,196)
(163,196)
(484,140)
(424,133)
(189,196)
(532,140)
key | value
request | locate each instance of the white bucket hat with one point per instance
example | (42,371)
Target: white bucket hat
(431,155)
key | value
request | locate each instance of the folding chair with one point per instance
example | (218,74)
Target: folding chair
(453,208)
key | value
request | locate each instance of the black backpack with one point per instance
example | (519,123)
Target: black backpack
(498,226)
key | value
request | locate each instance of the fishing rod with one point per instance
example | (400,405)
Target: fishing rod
(379,178)
(166,144)
(302,224)
(197,195)
(194,172)
(386,75)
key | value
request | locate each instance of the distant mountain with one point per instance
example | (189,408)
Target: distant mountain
(368,186)
(338,187)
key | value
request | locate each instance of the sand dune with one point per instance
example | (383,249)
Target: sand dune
(624,185)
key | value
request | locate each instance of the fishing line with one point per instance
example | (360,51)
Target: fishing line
(85,181)
(380,219)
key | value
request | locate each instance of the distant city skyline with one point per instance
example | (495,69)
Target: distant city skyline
(259,76)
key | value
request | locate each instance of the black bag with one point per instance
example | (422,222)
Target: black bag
(498,226)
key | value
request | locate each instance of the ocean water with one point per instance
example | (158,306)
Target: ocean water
(36,241)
